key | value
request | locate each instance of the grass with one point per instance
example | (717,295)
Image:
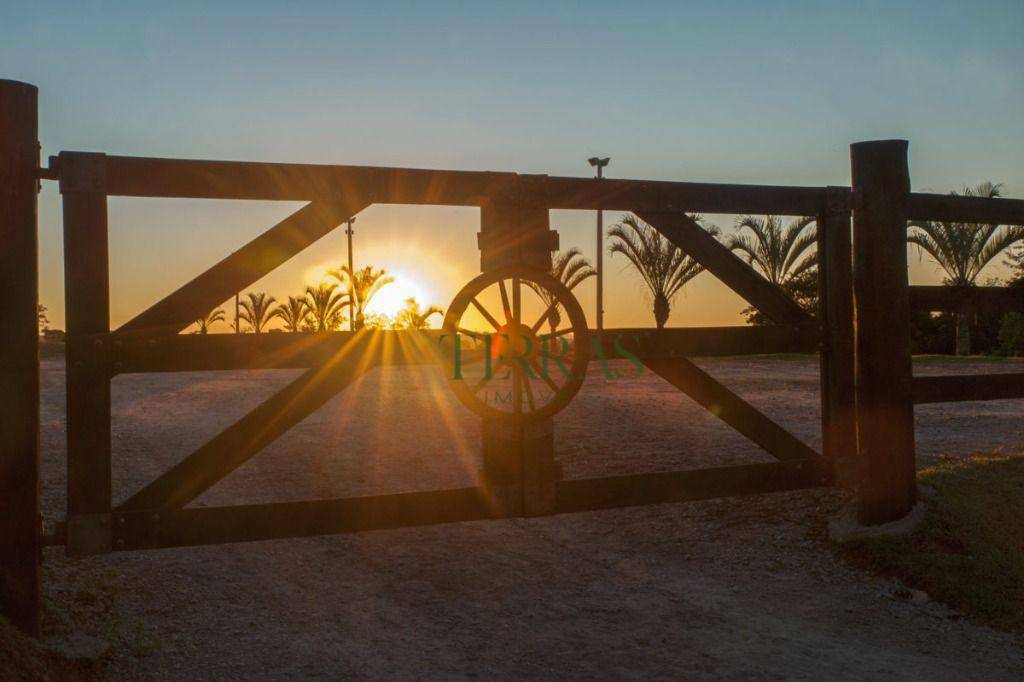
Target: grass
(25,658)
(968,552)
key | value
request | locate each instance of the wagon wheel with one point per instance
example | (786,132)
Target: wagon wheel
(524,345)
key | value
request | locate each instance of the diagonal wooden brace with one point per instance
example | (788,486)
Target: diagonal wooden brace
(717,259)
(730,408)
(243,267)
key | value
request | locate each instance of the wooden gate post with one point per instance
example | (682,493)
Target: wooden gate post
(87,309)
(19,355)
(835,289)
(885,410)
(519,473)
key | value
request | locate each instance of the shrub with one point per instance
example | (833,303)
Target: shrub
(1011,334)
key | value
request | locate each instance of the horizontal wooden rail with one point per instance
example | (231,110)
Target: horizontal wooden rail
(692,197)
(967,299)
(275,350)
(710,341)
(201,179)
(135,530)
(702,484)
(961,388)
(948,207)
(184,178)
(247,523)
(129,353)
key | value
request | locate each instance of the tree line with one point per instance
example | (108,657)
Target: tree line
(323,307)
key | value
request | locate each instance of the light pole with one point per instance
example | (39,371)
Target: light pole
(599,164)
(351,277)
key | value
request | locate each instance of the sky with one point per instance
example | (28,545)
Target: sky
(750,92)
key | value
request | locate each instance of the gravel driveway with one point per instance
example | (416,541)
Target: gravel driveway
(729,588)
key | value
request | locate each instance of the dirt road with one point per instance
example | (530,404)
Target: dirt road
(726,588)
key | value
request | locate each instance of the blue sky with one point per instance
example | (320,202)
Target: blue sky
(723,91)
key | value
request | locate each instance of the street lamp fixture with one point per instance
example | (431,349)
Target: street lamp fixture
(351,274)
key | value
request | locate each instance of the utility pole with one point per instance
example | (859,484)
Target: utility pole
(351,277)
(599,164)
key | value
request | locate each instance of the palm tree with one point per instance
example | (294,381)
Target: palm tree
(361,286)
(41,320)
(412,317)
(256,309)
(325,306)
(204,323)
(663,266)
(570,268)
(780,253)
(963,250)
(293,314)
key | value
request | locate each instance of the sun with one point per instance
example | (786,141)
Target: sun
(390,300)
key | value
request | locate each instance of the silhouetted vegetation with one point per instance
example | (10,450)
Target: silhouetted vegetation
(204,323)
(321,308)
(257,310)
(294,314)
(963,250)
(663,266)
(412,316)
(325,304)
(785,255)
(361,286)
(571,269)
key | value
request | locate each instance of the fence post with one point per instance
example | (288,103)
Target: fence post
(885,411)
(835,289)
(19,355)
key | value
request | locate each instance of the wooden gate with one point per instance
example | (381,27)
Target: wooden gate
(866,414)
(156,516)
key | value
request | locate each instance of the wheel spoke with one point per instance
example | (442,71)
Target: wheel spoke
(545,376)
(517,388)
(529,393)
(517,299)
(487,316)
(543,318)
(493,375)
(471,334)
(504,301)
(480,384)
